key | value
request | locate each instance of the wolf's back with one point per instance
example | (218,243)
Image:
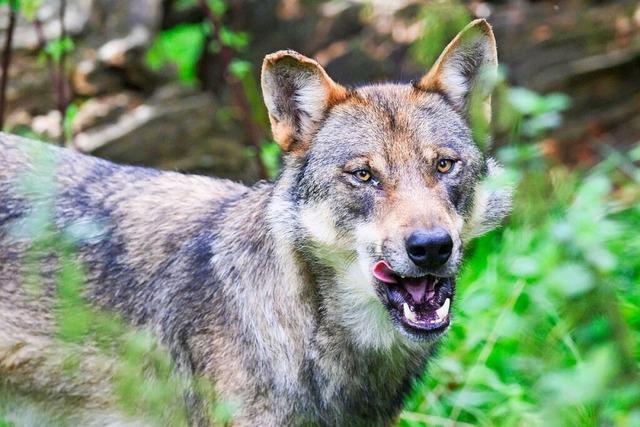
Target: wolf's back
(125,224)
(125,221)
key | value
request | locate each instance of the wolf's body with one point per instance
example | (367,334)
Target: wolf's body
(198,261)
(267,290)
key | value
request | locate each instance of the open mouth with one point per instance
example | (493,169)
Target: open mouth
(421,304)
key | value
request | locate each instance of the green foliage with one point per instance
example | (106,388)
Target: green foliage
(218,7)
(29,8)
(542,112)
(270,158)
(74,318)
(67,123)
(15,5)
(59,47)
(547,319)
(240,69)
(441,20)
(236,40)
(180,46)
(524,115)
(243,71)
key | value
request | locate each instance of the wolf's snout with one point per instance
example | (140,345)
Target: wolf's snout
(429,248)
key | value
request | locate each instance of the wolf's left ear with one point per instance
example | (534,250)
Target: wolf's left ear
(297,92)
(462,71)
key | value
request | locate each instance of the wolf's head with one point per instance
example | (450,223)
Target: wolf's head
(385,181)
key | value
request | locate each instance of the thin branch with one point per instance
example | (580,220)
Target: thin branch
(6,61)
(62,88)
(225,55)
(42,45)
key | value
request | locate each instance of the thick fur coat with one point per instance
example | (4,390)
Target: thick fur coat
(288,295)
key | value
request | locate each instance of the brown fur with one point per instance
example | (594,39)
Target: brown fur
(267,290)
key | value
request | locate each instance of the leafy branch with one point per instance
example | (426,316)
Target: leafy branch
(62,88)
(223,41)
(55,53)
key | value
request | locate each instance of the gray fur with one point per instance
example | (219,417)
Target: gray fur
(264,289)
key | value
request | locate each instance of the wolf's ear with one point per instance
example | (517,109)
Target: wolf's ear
(297,92)
(463,70)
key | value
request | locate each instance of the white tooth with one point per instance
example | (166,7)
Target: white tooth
(410,315)
(443,311)
(402,277)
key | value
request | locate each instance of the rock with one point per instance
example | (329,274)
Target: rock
(102,110)
(48,124)
(91,77)
(174,129)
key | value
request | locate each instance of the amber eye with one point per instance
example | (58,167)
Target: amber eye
(445,165)
(363,175)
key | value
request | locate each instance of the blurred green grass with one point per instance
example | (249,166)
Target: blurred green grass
(547,318)
(546,327)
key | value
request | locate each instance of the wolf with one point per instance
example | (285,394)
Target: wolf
(316,299)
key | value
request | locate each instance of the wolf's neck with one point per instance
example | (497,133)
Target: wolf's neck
(345,330)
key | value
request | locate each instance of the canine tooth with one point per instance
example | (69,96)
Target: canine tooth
(443,311)
(408,313)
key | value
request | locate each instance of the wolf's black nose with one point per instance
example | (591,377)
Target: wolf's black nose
(429,248)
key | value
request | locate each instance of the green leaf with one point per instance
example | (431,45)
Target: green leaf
(572,279)
(58,47)
(524,266)
(240,69)
(74,317)
(581,384)
(442,20)
(524,100)
(540,123)
(218,7)
(556,102)
(30,8)
(234,39)
(634,153)
(180,46)
(67,124)
(13,4)
(270,158)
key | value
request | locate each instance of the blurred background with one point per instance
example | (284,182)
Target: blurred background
(547,327)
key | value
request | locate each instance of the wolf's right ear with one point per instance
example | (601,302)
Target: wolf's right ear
(297,92)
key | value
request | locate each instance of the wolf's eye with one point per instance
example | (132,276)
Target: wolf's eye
(445,165)
(362,175)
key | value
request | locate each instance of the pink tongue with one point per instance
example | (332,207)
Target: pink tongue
(384,273)
(416,287)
